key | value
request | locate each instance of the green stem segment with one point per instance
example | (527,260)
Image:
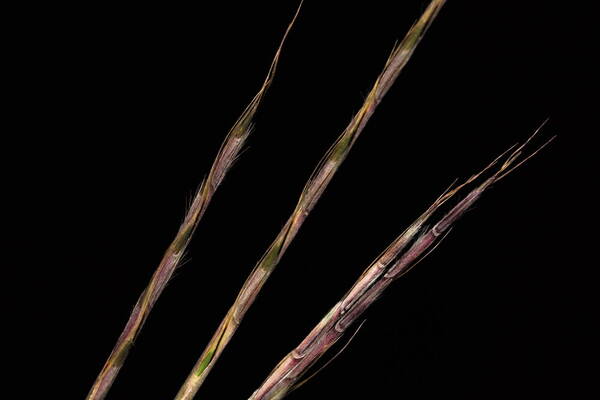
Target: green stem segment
(308,198)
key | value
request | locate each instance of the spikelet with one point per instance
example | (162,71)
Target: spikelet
(405,252)
(229,151)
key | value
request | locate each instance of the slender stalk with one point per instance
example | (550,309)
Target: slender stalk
(308,198)
(225,158)
(405,252)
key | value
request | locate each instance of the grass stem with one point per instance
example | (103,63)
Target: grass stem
(311,193)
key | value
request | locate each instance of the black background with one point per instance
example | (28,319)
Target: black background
(126,106)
